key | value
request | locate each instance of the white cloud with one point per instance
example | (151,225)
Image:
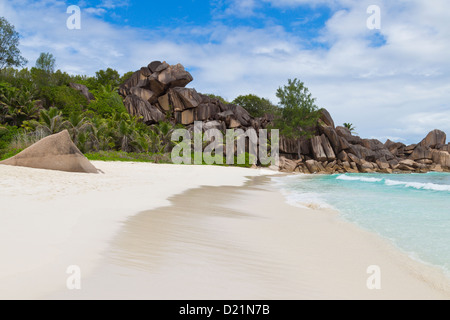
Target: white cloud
(419,122)
(385,138)
(311,3)
(112,4)
(241,8)
(401,89)
(95,11)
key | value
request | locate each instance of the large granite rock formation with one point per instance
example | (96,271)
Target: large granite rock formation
(55,152)
(158,92)
(354,154)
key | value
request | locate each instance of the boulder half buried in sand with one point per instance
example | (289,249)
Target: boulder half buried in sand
(55,152)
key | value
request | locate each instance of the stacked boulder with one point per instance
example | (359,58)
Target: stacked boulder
(158,92)
(336,150)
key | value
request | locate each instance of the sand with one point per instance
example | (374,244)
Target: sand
(50,220)
(144,231)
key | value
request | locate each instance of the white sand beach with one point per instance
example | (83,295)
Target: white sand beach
(147,231)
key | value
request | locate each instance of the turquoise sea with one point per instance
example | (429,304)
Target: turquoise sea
(411,210)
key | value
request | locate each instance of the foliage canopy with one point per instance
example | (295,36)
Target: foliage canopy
(298,111)
(256,106)
(9,46)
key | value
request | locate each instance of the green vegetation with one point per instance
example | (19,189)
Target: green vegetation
(298,111)
(107,103)
(9,154)
(64,98)
(42,72)
(156,157)
(256,106)
(350,127)
(9,46)
(129,156)
(7,134)
(107,78)
(46,62)
(213,96)
(38,102)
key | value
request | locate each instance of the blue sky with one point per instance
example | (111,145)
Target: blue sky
(163,17)
(176,13)
(390,83)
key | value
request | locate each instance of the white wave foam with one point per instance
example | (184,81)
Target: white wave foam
(307,200)
(364,179)
(406,184)
(419,185)
(301,199)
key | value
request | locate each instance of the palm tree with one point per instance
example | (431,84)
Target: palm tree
(126,131)
(3,113)
(107,88)
(163,132)
(350,127)
(141,143)
(19,105)
(101,134)
(52,121)
(79,128)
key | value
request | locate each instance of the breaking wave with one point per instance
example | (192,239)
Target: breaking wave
(390,182)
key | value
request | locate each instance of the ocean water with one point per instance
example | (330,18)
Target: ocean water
(411,210)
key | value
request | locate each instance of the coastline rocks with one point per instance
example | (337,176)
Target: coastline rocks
(383,164)
(337,151)
(317,148)
(327,148)
(373,144)
(370,155)
(334,139)
(420,153)
(434,139)
(158,92)
(441,158)
(326,118)
(287,165)
(55,152)
(313,166)
(406,165)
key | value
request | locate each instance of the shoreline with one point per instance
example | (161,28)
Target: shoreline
(234,247)
(435,275)
(146,231)
(53,219)
(370,177)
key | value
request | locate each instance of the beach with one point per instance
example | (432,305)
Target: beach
(151,231)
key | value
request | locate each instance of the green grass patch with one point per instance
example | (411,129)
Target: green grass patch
(153,158)
(246,160)
(128,157)
(8,154)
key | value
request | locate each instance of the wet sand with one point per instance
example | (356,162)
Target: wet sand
(247,243)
